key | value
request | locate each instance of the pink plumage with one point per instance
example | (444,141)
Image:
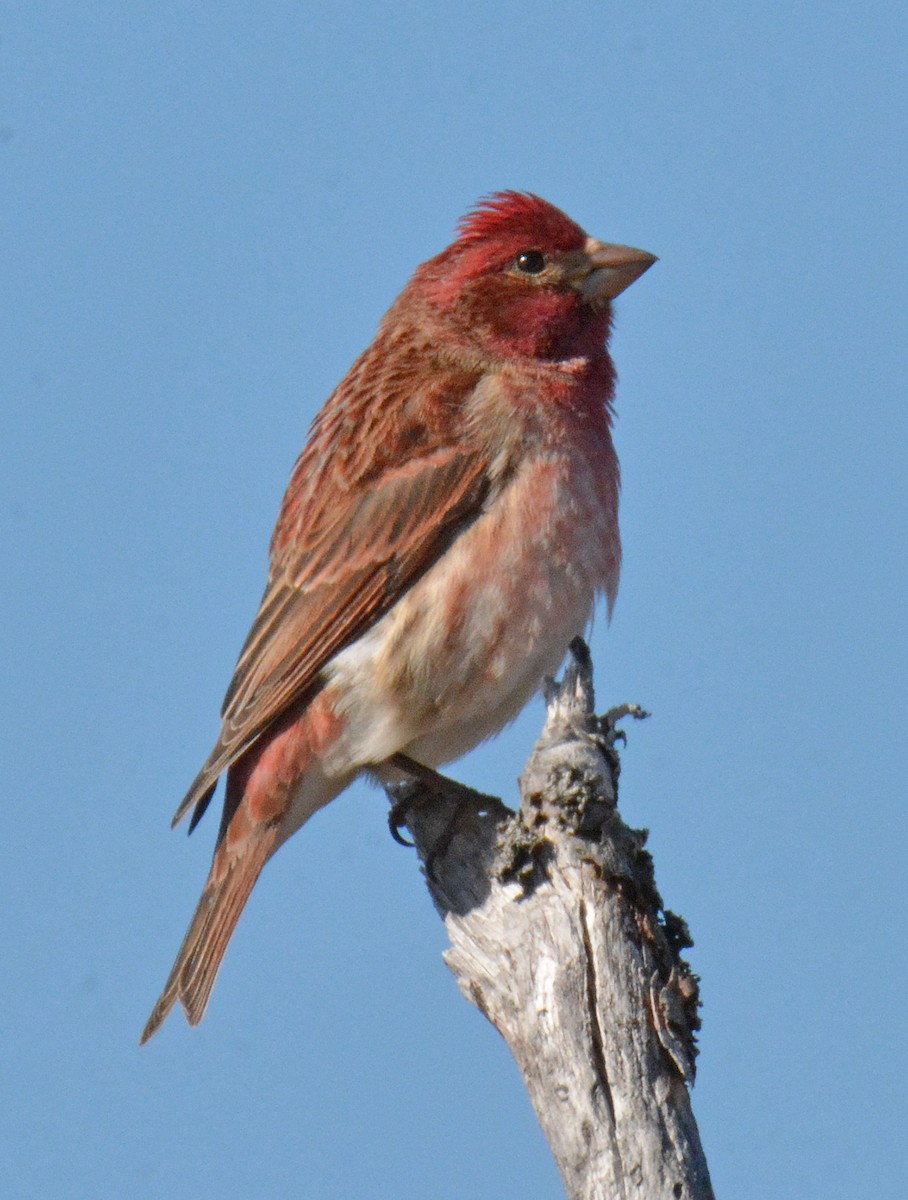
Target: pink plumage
(444,535)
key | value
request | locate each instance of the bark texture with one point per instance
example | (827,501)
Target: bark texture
(559,936)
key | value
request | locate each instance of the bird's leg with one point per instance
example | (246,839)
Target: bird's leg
(434,782)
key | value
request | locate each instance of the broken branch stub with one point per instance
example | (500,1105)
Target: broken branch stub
(559,936)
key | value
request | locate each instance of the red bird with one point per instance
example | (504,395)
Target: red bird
(443,537)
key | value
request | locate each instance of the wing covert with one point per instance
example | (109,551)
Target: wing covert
(332,584)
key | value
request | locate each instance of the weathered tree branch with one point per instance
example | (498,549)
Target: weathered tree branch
(559,936)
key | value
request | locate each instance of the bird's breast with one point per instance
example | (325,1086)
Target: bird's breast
(464,649)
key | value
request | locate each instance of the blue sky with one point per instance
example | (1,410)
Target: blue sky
(208,208)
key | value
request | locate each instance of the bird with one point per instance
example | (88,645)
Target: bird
(444,535)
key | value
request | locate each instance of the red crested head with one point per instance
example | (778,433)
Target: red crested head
(522,280)
(519,217)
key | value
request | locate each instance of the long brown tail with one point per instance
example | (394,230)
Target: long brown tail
(230,881)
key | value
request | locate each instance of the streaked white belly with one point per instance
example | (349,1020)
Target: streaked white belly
(460,655)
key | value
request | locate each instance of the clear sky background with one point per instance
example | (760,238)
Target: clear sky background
(207,208)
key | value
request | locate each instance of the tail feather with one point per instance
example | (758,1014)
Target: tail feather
(230,882)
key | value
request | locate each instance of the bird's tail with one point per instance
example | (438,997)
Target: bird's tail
(230,881)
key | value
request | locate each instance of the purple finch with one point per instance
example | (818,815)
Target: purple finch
(443,537)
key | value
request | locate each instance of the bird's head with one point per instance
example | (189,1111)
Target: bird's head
(523,280)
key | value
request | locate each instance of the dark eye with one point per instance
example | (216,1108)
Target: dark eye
(530,262)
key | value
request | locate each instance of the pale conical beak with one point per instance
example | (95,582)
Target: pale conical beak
(611,269)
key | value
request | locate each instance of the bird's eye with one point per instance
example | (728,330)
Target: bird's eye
(530,262)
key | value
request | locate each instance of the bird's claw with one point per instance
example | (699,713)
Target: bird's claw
(397,820)
(433,784)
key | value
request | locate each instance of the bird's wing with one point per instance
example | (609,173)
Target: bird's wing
(334,578)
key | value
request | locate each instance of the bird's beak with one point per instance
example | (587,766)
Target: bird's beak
(609,269)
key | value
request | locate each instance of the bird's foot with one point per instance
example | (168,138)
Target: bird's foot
(432,785)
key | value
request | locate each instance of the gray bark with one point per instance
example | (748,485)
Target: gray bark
(559,936)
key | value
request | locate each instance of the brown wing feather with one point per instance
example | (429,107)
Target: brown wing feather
(354,533)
